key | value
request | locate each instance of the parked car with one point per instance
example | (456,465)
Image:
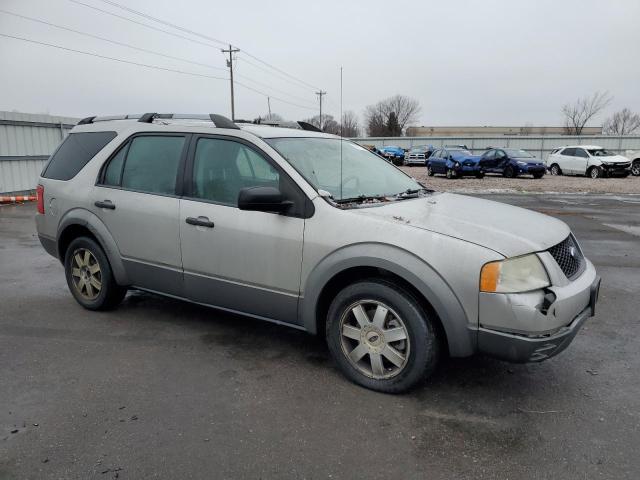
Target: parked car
(590,160)
(417,155)
(393,274)
(512,162)
(393,153)
(454,162)
(634,156)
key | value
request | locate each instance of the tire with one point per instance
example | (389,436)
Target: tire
(429,170)
(595,172)
(635,168)
(510,172)
(555,169)
(451,173)
(538,175)
(415,356)
(480,175)
(89,276)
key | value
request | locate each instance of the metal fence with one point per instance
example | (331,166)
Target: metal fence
(26,141)
(540,146)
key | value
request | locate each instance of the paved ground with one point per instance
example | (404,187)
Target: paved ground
(548,183)
(162,389)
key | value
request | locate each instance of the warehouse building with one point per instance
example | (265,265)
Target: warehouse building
(26,141)
(493,131)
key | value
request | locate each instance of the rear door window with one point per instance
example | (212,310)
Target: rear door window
(74,153)
(152,164)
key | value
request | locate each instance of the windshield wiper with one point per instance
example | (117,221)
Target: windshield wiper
(359,198)
(412,193)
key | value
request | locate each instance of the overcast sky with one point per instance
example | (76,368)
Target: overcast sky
(490,62)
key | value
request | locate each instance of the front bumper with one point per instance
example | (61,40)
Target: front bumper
(462,169)
(536,331)
(532,169)
(617,169)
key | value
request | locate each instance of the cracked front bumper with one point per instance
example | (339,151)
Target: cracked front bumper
(534,334)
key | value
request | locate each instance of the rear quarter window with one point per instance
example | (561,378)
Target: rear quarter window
(74,153)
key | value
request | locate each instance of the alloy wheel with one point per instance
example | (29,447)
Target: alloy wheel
(635,168)
(374,339)
(86,274)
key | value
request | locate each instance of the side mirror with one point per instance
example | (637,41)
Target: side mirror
(263,199)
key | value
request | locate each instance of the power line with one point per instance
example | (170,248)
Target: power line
(110,41)
(127,45)
(142,24)
(201,35)
(145,65)
(156,67)
(278,76)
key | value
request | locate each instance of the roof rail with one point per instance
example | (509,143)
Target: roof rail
(86,120)
(308,126)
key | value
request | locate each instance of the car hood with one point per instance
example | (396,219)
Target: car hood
(460,157)
(613,159)
(508,230)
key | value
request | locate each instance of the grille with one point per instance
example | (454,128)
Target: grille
(569,257)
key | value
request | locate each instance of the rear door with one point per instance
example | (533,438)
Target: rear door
(566,160)
(580,160)
(437,162)
(245,261)
(137,200)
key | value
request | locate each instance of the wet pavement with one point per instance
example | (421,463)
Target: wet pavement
(164,389)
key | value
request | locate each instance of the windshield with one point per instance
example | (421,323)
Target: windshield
(600,152)
(518,153)
(363,173)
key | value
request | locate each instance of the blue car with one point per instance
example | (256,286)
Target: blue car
(393,154)
(512,162)
(454,162)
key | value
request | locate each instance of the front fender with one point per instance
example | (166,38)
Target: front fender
(85,218)
(461,339)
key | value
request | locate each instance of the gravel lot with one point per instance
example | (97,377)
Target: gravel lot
(548,183)
(163,389)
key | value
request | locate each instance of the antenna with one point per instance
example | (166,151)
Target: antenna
(341,126)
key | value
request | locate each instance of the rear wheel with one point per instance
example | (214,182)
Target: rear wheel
(538,175)
(89,276)
(595,172)
(555,169)
(635,167)
(380,336)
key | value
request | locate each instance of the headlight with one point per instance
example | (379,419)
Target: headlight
(521,163)
(457,164)
(520,274)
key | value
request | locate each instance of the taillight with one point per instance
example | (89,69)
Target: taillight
(40,194)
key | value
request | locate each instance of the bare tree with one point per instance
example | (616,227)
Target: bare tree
(578,114)
(329,125)
(349,124)
(378,116)
(624,122)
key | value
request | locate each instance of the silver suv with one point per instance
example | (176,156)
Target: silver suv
(306,229)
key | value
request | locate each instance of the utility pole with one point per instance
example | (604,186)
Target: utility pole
(269,106)
(231,51)
(320,94)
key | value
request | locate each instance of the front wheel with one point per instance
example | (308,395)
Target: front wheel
(480,175)
(89,275)
(451,173)
(635,168)
(595,172)
(429,170)
(380,336)
(510,172)
(538,175)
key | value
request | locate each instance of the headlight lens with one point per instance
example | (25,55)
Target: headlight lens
(520,274)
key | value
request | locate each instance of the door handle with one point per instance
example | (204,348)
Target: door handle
(200,222)
(106,204)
